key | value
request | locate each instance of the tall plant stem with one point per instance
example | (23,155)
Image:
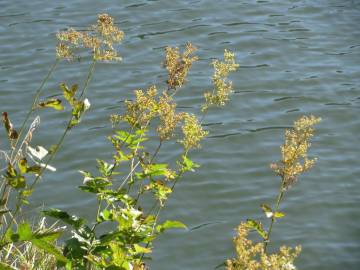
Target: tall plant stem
(60,142)
(277,205)
(35,100)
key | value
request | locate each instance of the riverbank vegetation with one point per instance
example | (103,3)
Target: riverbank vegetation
(133,185)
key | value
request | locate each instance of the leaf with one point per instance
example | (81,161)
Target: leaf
(51,103)
(24,232)
(69,94)
(141,249)
(74,221)
(188,164)
(22,164)
(48,236)
(267,210)
(12,133)
(279,214)
(258,227)
(50,248)
(36,169)
(156,169)
(105,168)
(4,266)
(106,215)
(26,192)
(78,110)
(13,178)
(170,224)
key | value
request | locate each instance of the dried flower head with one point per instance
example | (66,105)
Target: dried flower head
(100,39)
(192,131)
(222,87)
(178,64)
(251,256)
(294,151)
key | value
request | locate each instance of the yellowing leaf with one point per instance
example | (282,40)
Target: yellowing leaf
(279,214)
(52,103)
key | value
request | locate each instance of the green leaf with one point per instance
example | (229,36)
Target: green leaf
(51,103)
(79,107)
(48,236)
(141,249)
(26,192)
(170,224)
(258,227)
(22,164)
(14,179)
(4,266)
(69,94)
(50,248)
(188,165)
(24,231)
(104,168)
(74,221)
(106,215)
(156,169)
(34,169)
(279,214)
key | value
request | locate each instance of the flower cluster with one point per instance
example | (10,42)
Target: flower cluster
(193,132)
(100,39)
(222,87)
(251,256)
(294,151)
(140,111)
(149,105)
(178,64)
(169,118)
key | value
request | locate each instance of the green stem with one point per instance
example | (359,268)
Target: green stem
(278,200)
(61,140)
(35,100)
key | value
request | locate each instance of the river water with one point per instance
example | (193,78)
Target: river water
(297,57)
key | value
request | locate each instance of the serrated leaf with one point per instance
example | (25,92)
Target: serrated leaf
(50,248)
(51,103)
(258,227)
(74,221)
(48,236)
(170,224)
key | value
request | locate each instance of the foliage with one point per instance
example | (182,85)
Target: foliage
(132,186)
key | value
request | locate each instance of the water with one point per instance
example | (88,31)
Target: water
(297,57)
